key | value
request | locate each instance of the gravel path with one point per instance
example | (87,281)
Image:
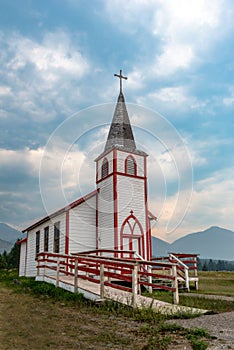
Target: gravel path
(220,326)
(210,296)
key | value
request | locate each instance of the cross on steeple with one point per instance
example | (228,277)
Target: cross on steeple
(120,76)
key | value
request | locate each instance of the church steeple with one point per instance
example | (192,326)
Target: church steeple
(120,133)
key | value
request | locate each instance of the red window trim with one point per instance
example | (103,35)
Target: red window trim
(105,163)
(126,165)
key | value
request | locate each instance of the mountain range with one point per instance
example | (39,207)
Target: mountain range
(8,237)
(214,243)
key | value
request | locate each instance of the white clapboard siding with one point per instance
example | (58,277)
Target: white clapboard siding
(22,259)
(31,241)
(131,197)
(105,214)
(82,226)
(121,156)
(109,157)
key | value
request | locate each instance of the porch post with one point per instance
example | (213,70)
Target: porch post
(57,273)
(76,276)
(134,285)
(102,281)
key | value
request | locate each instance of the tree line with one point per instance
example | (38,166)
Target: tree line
(214,265)
(10,260)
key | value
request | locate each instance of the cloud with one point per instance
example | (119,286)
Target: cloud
(179,33)
(38,76)
(211,204)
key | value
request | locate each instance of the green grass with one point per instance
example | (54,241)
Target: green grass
(82,323)
(219,283)
(216,283)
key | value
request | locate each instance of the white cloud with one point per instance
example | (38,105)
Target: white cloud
(39,76)
(52,58)
(173,58)
(5,90)
(229,100)
(211,204)
(180,33)
(171,97)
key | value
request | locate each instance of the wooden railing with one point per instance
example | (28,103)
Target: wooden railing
(125,274)
(186,267)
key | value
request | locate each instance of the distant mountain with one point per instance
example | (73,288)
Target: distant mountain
(160,247)
(4,245)
(213,243)
(8,236)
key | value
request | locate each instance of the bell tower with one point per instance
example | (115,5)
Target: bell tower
(122,221)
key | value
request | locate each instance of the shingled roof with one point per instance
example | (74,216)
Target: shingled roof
(120,133)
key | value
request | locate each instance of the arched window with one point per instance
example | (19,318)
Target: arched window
(130,166)
(132,235)
(105,168)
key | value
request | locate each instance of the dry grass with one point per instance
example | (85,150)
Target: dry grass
(30,322)
(51,319)
(214,282)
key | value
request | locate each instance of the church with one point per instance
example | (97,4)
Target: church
(113,216)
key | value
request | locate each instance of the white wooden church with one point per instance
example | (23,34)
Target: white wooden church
(113,216)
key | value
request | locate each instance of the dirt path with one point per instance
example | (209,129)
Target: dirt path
(220,326)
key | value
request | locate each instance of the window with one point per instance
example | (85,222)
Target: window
(46,239)
(56,237)
(105,168)
(37,243)
(130,166)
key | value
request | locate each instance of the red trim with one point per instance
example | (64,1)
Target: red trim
(148,230)
(97,222)
(131,235)
(122,174)
(115,197)
(121,150)
(135,165)
(102,168)
(97,173)
(62,210)
(22,241)
(26,256)
(67,232)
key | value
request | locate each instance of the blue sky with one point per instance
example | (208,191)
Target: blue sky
(57,64)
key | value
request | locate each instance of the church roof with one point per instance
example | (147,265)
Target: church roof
(60,211)
(120,133)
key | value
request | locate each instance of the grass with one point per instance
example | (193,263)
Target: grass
(216,283)
(220,283)
(36,315)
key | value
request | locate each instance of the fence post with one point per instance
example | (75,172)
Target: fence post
(76,276)
(150,289)
(45,261)
(102,281)
(195,273)
(57,272)
(187,279)
(175,285)
(134,285)
(38,266)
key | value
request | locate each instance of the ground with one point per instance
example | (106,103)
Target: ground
(29,322)
(46,319)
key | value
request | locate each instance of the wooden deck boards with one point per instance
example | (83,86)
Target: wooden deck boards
(91,290)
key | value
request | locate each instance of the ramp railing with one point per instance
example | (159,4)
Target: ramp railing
(118,273)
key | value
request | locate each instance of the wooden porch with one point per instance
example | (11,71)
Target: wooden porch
(100,277)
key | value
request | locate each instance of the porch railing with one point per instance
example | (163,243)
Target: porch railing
(126,274)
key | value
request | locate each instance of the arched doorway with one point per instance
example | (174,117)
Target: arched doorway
(132,235)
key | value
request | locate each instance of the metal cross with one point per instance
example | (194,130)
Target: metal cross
(120,76)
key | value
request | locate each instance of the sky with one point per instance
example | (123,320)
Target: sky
(58,92)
